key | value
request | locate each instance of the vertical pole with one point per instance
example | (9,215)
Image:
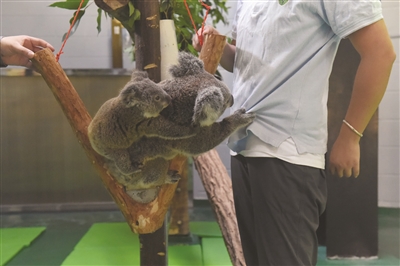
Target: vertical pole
(116,31)
(153,246)
(352,209)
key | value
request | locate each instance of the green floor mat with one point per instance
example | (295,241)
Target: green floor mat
(205,229)
(215,252)
(109,235)
(115,244)
(12,240)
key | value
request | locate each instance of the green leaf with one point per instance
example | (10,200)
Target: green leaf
(75,27)
(69,4)
(131,8)
(135,16)
(99,12)
(164,5)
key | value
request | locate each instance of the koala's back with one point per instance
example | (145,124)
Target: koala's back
(113,126)
(183,91)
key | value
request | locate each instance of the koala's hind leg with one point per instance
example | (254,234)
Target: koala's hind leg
(124,163)
(145,185)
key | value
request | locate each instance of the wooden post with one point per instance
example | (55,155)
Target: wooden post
(212,171)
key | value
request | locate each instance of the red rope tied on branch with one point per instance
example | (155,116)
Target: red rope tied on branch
(69,31)
(199,35)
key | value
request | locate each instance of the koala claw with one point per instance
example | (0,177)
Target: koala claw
(241,117)
(172,177)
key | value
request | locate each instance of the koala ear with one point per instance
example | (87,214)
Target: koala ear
(209,106)
(138,75)
(129,95)
(188,65)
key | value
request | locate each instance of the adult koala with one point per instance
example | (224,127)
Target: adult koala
(198,99)
(126,118)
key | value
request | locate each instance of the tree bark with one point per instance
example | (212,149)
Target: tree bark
(147,38)
(218,186)
(142,218)
(212,171)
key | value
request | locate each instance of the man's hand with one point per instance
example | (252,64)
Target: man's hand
(344,159)
(18,50)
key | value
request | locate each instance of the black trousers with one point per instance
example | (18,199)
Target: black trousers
(278,205)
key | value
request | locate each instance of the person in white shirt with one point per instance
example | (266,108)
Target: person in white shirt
(282,58)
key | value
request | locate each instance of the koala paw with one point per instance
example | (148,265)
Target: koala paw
(172,177)
(241,118)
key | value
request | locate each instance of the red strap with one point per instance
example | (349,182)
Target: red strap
(199,36)
(69,31)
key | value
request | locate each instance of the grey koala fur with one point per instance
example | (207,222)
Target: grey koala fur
(198,99)
(134,113)
(143,186)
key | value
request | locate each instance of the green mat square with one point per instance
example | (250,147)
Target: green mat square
(205,229)
(215,252)
(115,244)
(12,240)
(185,255)
(109,235)
(103,256)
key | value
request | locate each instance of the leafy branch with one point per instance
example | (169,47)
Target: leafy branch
(169,9)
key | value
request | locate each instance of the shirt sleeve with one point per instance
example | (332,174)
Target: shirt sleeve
(346,17)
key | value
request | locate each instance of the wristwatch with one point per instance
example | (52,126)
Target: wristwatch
(1,61)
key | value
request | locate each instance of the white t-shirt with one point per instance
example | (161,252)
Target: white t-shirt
(284,57)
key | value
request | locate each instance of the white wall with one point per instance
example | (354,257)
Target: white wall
(87,49)
(389,117)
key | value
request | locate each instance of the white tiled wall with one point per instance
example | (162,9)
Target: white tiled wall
(88,49)
(389,120)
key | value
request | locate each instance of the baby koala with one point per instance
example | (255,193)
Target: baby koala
(124,119)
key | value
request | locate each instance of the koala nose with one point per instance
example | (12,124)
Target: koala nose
(167,100)
(231,101)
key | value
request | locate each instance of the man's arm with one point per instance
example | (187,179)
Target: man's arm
(377,56)
(228,56)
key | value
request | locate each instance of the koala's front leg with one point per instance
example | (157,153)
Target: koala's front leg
(209,137)
(163,128)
